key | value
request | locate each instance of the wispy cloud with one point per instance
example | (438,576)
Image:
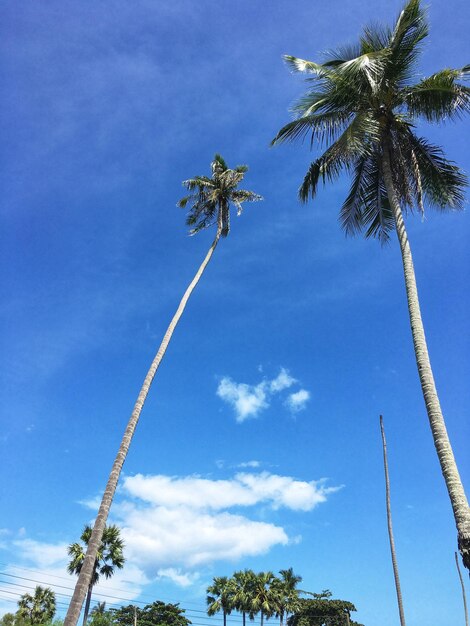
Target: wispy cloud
(298,401)
(248,401)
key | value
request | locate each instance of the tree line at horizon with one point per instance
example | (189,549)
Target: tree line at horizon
(362,103)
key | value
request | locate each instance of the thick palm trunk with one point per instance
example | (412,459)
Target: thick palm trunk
(436,419)
(87,604)
(86,572)
(390,529)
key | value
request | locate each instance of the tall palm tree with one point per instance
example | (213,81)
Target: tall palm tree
(220,596)
(211,199)
(109,556)
(286,594)
(262,596)
(362,103)
(38,608)
(401,611)
(243,584)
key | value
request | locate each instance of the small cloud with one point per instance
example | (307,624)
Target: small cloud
(220,463)
(247,400)
(181,579)
(30,428)
(283,381)
(91,503)
(297,401)
(249,464)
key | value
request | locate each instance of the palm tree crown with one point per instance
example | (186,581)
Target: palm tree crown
(362,102)
(38,608)
(109,557)
(211,197)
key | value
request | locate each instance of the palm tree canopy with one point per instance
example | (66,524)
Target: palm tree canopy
(38,608)
(211,197)
(362,99)
(220,595)
(110,555)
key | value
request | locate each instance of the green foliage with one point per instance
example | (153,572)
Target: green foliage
(156,614)
(110,555)
(360,101)
(7,620)
(211,197)
(322,610)
(38,608)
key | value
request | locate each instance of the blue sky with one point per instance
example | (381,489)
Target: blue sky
(259,445)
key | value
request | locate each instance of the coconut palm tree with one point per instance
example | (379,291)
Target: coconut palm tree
(243,584)
(38,608)
(263,599)
(211,199)
(109,557)
(401,611)
(363,104)
(220,597)
(286,594)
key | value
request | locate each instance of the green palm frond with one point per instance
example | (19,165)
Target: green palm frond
(439,96)
(211,197)
(322,127)
(442,182)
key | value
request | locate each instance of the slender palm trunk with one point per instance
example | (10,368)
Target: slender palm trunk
(86,572)
(463,589)
(390,529)
(87,604)
(436,419)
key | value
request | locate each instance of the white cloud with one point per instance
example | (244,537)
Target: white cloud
(297,401)
(174,526)
(244,489)
(249,400)
(249,464)
(283,381)
(179,578)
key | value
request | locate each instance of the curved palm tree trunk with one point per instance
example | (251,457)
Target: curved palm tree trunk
(463,589)
(86,572)
(87,604)
(390,529)
(436,419)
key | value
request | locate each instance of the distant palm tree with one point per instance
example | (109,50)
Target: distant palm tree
(98,609)
(286,594)
(110,556)
(211,199)
(363,103)
(401,610)
(262,598)
(38,608)
(220,597)
(243,585)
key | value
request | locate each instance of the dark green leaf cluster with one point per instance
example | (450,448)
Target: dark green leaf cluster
(361,101)
(37,608)
(322,610)
(156,614)
(110,555)
(210,198)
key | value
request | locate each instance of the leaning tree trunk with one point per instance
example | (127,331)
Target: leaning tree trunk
(390,529)
(87,604)
(436,419)
(463,589)
(86,571)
